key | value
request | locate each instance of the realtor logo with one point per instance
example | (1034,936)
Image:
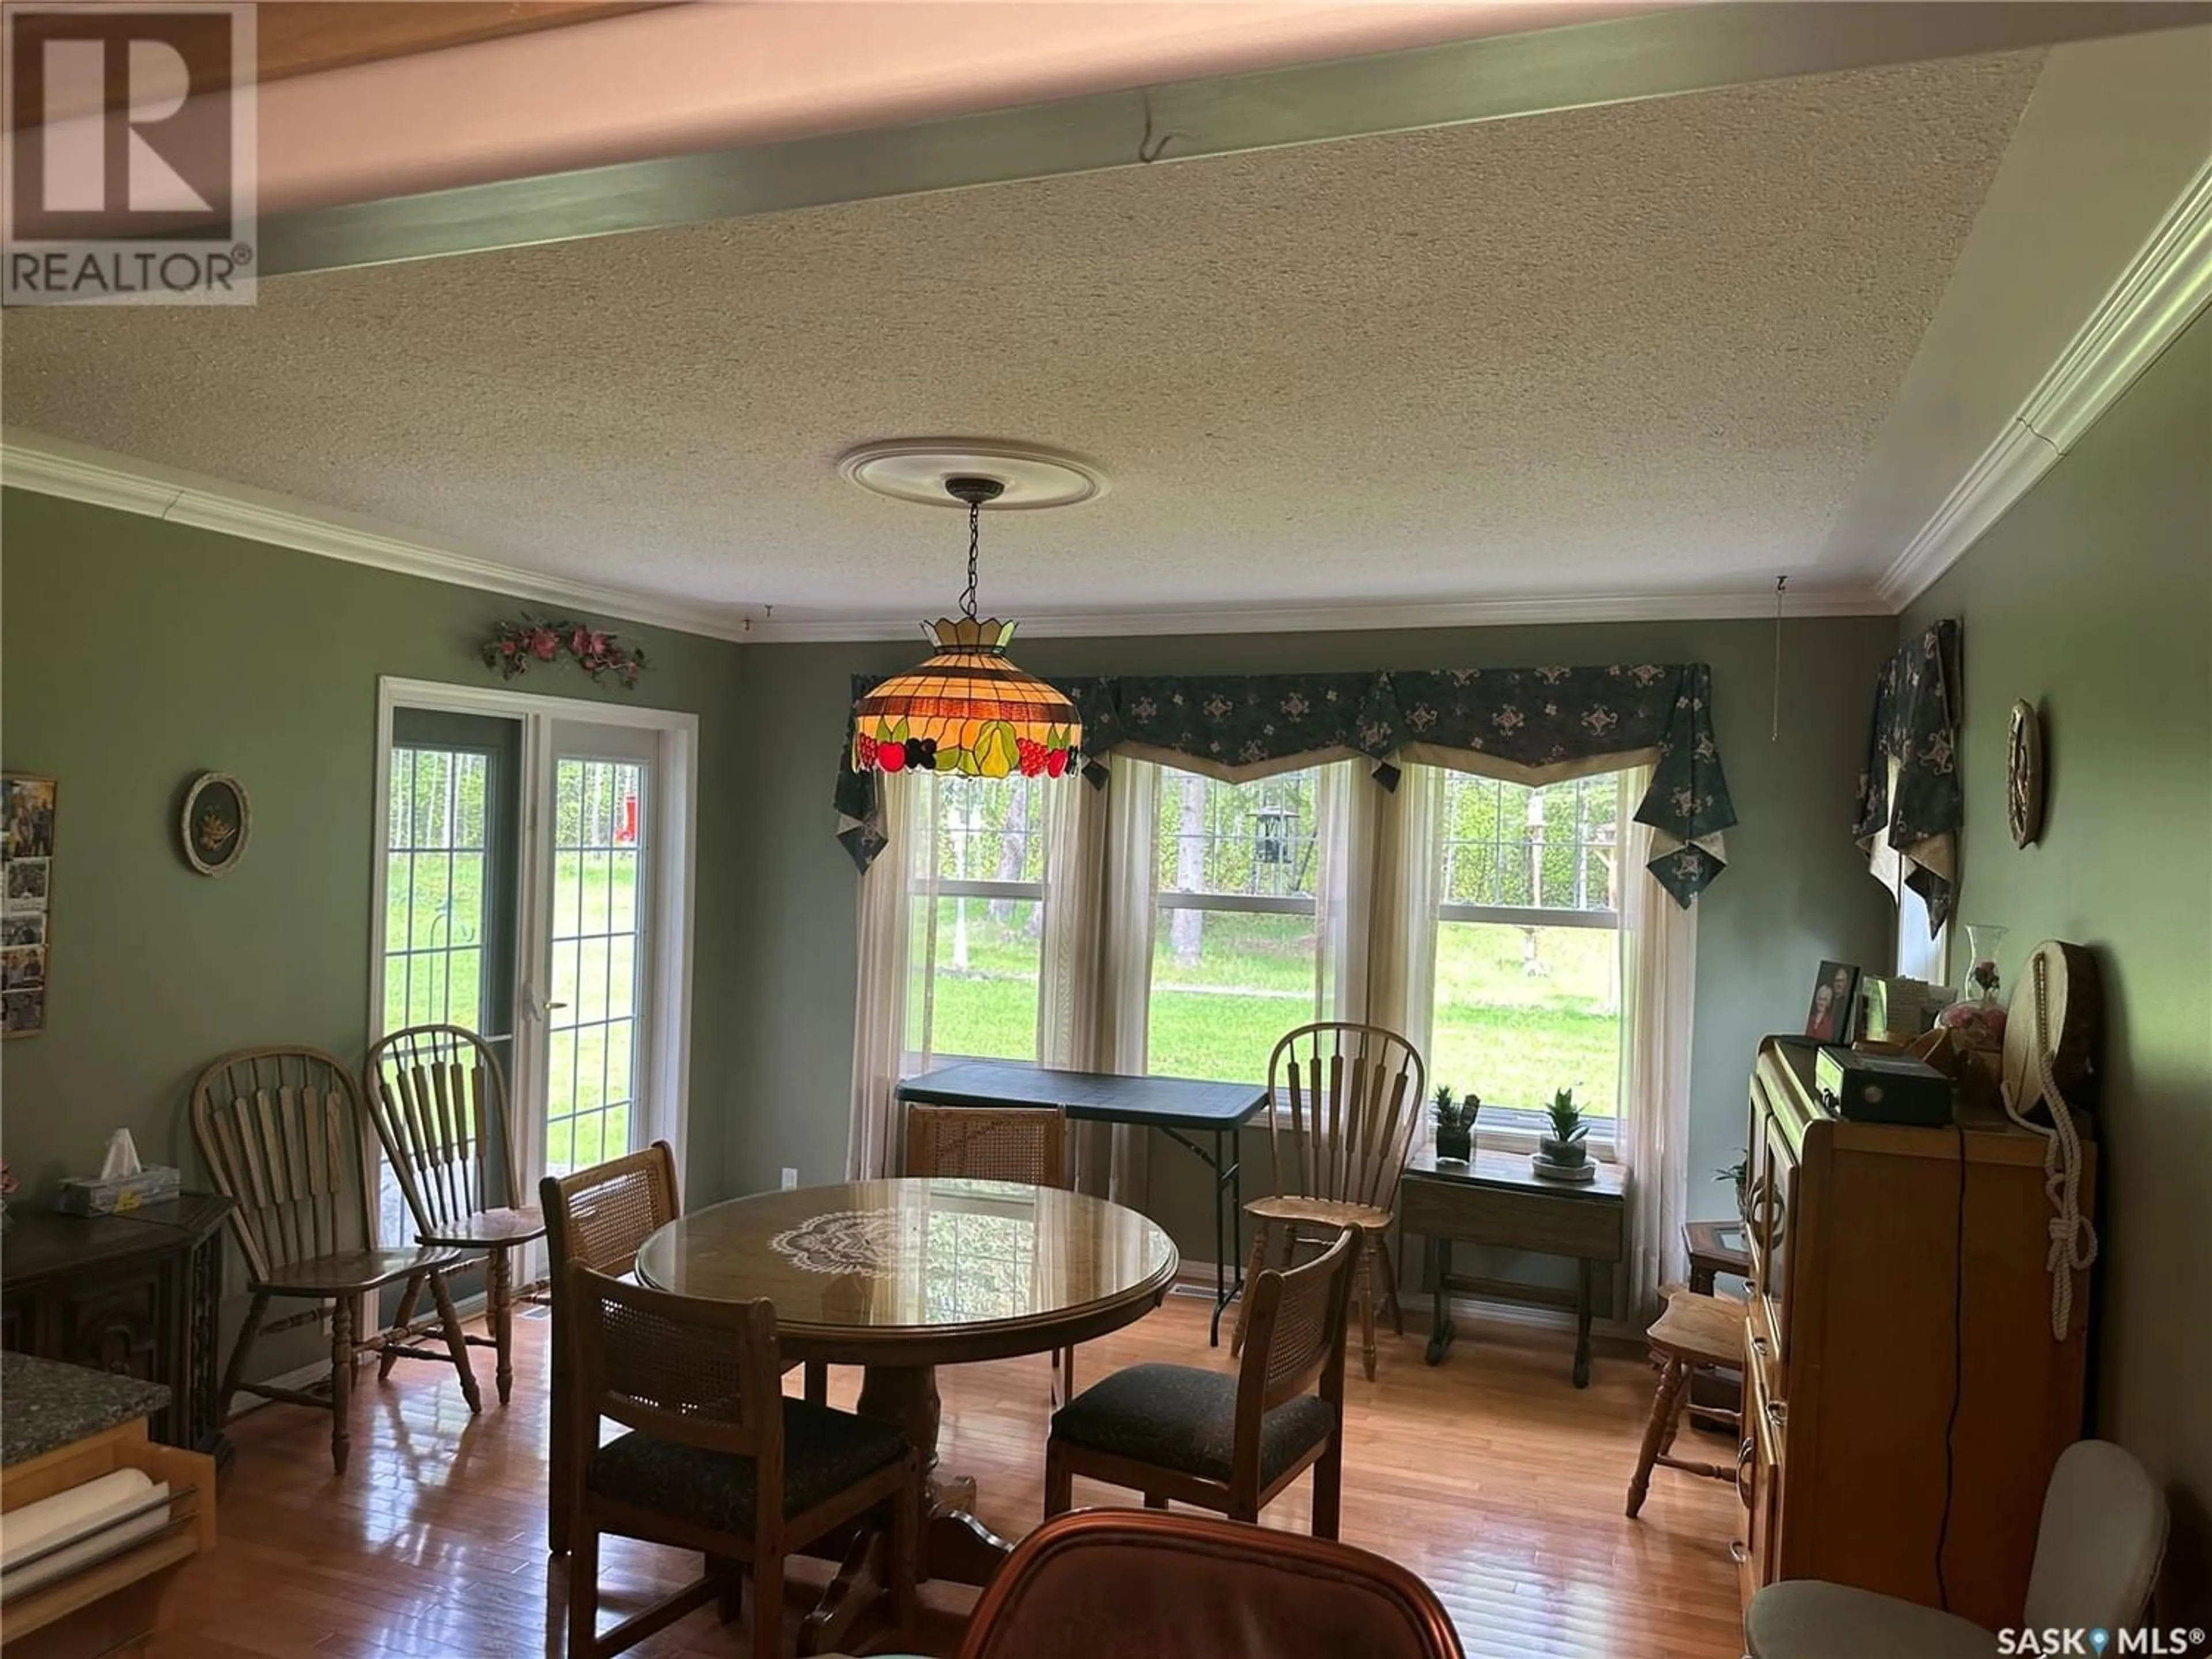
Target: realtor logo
(130,154)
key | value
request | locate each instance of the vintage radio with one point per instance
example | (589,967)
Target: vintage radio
(1864,1088)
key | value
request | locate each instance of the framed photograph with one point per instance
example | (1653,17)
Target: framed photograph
(26,881)
(216,824)
(1829,1019)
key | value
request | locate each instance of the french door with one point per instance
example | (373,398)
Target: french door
(593,980)
(533,881)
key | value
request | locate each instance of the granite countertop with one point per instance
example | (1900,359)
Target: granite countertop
(44,1406)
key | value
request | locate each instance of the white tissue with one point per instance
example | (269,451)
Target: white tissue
(122,1156)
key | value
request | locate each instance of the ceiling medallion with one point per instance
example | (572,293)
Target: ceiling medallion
(919,469)
(967,709)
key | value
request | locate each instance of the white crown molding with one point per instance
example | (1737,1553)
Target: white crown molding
(2163,289)
(55,466)
(1395,616)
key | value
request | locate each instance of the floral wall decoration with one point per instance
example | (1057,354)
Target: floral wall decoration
(1529,725)
(515,646)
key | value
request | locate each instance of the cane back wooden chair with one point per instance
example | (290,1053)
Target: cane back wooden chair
(1230,1443)
(439,1102)
(1027,1143)
(280,1131)
(719,1460)
(596,1219)
(1344,1101)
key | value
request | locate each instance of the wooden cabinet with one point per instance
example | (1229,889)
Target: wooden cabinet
(134,1294)
(1905,1397)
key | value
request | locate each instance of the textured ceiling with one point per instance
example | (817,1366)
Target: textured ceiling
(1638,350)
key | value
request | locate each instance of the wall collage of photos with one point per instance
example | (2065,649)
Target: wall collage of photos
(26,818)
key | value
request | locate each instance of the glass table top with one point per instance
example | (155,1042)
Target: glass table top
(934,1253)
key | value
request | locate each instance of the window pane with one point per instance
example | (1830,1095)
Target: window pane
(981,1000)
(988,828)
(1247,839)
(1224,990)
(1522,1012)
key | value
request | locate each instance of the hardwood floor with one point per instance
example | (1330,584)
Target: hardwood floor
(1489,1476)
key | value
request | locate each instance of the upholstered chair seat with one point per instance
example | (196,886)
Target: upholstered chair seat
(824,1452)
(1180,1418)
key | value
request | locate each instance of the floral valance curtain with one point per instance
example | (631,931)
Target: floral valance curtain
(1529,725)
(1914,736)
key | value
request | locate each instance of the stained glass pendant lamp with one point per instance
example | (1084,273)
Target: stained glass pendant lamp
(967,709)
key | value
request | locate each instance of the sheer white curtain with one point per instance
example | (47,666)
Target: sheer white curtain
(1658,992)
(1094,1002)
(879,1007)
(1377,909)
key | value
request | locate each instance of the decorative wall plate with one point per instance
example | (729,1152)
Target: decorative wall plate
(216,823)
(2024,774)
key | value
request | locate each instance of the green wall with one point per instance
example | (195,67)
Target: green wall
(139,652)
(1795,890)
(2092,599)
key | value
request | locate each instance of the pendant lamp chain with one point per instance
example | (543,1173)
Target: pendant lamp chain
(974,537)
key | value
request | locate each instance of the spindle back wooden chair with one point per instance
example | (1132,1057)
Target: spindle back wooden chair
(1344,1102)
(280,1131)
(717,1460)
(439,1102)
(1231,1444)
(596,1219)
(1028,1144)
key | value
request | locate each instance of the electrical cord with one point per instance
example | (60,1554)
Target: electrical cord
(1957,1375)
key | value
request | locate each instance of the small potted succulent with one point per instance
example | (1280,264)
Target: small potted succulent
(1561,1153)
(1454,1121)
(1738,1175)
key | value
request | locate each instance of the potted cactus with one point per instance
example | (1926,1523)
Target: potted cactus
(1561,1153)
(1455,1121)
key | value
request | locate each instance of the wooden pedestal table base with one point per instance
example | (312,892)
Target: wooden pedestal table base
(900,1277)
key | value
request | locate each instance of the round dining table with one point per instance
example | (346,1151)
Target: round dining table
(902,1276)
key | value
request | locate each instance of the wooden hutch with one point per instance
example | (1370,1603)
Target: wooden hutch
(1900,1300)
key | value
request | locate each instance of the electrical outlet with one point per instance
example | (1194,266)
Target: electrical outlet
(790,1179)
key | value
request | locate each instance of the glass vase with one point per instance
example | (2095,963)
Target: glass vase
(1977,1019)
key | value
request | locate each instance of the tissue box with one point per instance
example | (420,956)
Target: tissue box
(118,1194)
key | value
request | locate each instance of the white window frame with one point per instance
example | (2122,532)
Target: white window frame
(1521,1127)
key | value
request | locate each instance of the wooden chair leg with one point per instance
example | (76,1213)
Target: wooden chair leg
(401,1320)
(1058,1482)
(1063,1377)
(499,1298)
(906,1551)
(768,1605)
(234,1373)
(1329,1490)
(1258,1265)
(817,1382)
(583,1591)
(558,1476)
(1390,1284)
(1154,1501)
(731,1601)
(1368,1270)
(456,1343)
(341,1381)
(1664,1403)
